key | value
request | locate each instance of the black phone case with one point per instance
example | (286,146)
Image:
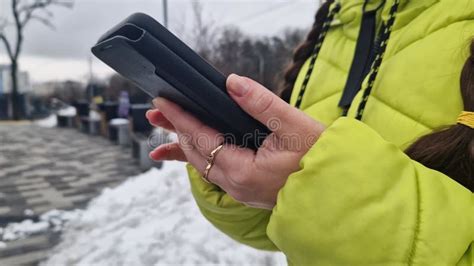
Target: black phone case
(145,52)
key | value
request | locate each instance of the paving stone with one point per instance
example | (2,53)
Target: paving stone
(28,181)
(30,194)
(68,178)
(43,207)
(34,242)
(34,186)
(40,207)
(4,210)
(32,201)
(43,169)
(26,259)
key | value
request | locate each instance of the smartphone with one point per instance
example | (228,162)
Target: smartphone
(145,52)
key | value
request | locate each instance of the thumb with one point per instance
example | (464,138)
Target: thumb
(263,105)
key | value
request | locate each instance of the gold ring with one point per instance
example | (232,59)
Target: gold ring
(210,163)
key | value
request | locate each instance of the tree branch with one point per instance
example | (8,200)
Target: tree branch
(23,11)
(30,9)
(22,14)
(26,11)
(7,45)
(3,37)
(44,21)
(19,31)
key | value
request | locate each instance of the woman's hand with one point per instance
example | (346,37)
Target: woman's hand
(253,178)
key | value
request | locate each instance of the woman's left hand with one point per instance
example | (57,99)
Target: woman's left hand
(253,178)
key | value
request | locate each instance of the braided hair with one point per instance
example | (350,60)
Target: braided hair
(304,51)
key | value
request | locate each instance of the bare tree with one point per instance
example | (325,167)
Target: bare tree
(23,12)
(204,32)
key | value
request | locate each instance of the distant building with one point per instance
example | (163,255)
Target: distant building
(24,89)
(24,84)
(67,91)
(4,69)
(45,88)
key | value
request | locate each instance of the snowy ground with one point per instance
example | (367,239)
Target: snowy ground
(150,220)
(49,122)
(52,120)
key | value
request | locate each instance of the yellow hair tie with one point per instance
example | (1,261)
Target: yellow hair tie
(467,119)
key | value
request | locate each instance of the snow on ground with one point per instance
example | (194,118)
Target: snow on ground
(68,111)
(118,122)
(51,221)
(48,122)
(150,219)
(94,115)
(52,120)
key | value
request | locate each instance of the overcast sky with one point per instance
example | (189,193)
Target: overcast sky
(63,53)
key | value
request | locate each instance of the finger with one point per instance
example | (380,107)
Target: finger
(193,131)
(168,152)
(229,174)
(157,119)
(231,157)
(173,152)
(266,107)
(215,175)
(229,160)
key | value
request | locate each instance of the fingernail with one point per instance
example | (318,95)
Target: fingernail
(240,86)
(156,102)
(147,114)
(153,155)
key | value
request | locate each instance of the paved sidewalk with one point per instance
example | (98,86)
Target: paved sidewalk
(42,169)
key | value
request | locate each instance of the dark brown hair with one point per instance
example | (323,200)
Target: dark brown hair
(303,52)
(451,150)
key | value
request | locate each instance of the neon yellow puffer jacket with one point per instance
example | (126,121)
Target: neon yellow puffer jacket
(358,199)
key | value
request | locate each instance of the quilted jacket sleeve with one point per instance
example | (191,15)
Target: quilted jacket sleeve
(359,200)
(244,224)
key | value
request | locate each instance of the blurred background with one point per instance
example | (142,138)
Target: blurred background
(76,184)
